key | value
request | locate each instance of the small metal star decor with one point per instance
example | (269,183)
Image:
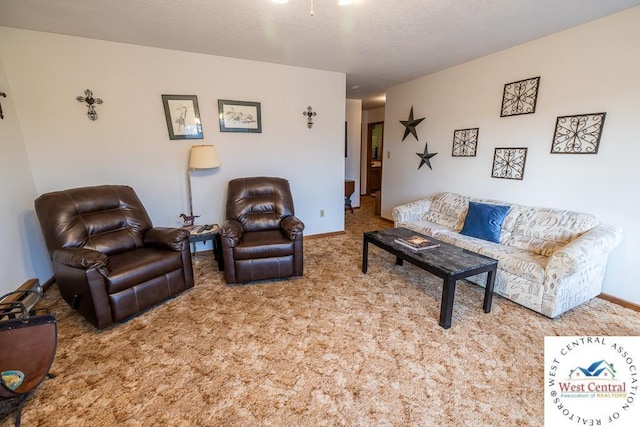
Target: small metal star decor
(309,114)
(425,158)
(410,125)
(90,100)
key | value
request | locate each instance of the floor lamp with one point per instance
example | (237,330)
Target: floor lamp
(200,157)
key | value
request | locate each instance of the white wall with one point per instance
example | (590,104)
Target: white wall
(19,260)
(129,143)
(588,69)
(352,161)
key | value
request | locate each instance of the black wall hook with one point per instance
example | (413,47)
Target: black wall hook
(3,95)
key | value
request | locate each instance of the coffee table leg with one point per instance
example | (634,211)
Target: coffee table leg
(365,255)
(446,306)
(488,291)
(399,261)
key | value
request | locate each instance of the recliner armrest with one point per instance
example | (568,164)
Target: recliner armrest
(292,227)
(85,259)
(231,233)
(173,239)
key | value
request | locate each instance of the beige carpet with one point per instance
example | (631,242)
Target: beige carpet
(336,347)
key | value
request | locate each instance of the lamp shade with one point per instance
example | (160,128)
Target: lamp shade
(203,157)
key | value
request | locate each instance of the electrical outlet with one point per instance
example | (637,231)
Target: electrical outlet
(321,213)
(388,154)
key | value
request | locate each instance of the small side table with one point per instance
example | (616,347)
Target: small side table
(212,235)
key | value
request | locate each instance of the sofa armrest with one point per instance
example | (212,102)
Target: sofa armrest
(410,212)
(84,259)
(596,243)
(173,239)
(231,233)
(292,227)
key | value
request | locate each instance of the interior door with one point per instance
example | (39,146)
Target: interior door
(374,157)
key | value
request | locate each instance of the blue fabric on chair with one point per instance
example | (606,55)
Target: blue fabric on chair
(484,221)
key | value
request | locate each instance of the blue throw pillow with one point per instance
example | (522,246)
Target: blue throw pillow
(484,221)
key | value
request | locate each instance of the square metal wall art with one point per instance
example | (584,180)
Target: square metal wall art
(579,134)
(520,97)
(508,163)
(465,142)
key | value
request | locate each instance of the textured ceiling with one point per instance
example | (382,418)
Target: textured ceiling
(377,43)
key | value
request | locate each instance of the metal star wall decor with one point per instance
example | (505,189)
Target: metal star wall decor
(425,158)
(410,125)
(90,100)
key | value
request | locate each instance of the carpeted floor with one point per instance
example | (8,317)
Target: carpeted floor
(335,347)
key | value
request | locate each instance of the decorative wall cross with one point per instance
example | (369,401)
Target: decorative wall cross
(90,100)
(3,95)
(309,114)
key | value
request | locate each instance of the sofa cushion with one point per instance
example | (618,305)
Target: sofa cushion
(425,227)
(516,261)
(544,231)
(484,221)
(448,209)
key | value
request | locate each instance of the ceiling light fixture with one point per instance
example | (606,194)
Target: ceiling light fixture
(311,12)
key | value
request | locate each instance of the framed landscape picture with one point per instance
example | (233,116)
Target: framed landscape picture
(239,116)
(183,116)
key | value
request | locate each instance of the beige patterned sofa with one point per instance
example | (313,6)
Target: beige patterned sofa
(549,260)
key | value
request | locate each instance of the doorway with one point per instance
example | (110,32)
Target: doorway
(374,157)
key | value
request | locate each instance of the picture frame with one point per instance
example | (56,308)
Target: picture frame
(578,134)
(520,97)
(239,116)
(509,163)
(183,116)
(465,142)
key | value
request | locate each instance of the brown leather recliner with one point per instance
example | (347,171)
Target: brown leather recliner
(261,237)
(109,262)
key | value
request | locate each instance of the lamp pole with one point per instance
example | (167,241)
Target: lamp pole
(190,195)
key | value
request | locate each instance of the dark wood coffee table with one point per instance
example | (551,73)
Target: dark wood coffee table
(448,262)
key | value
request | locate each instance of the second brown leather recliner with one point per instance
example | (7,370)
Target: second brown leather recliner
(261,237)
